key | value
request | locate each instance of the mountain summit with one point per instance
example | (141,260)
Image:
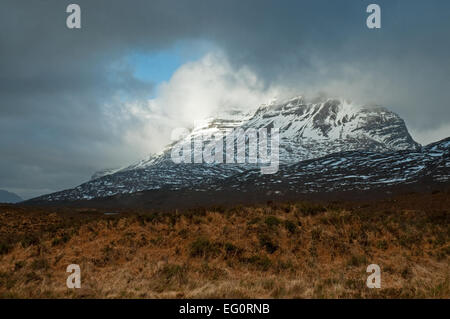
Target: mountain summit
(315,129)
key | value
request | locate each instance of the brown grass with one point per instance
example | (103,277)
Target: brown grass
(289,250)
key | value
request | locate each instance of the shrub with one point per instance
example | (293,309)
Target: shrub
(272,221)
(32,276)
(408,240)
(290,226)
(202,247)
(19,265)
(356,261)
(232,250)
(218,208)
(39,264)
(7,280)
(183,233)
(253,221)
(311,209)
(59,240)
(5,247)
(196,211)
(262,262)
(406,273)
(382,244)
(316,233)
(147,218)
(213,273)
(267,243)
(29,240)
(173,273)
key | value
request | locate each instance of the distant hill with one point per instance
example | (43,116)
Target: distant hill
(8,197)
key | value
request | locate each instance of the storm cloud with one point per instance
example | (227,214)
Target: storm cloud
(71,103)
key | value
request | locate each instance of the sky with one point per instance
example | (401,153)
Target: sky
(74,101)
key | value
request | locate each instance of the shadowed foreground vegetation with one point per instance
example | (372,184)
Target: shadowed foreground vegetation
(287,250)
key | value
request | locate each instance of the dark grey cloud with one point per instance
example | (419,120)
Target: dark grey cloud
(55,82)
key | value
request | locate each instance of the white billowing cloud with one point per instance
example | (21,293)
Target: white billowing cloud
(197,90)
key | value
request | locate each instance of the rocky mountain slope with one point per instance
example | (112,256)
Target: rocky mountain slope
(350,170)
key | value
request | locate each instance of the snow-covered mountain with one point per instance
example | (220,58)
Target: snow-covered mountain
(308,130)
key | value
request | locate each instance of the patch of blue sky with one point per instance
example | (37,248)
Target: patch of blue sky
(159,66)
